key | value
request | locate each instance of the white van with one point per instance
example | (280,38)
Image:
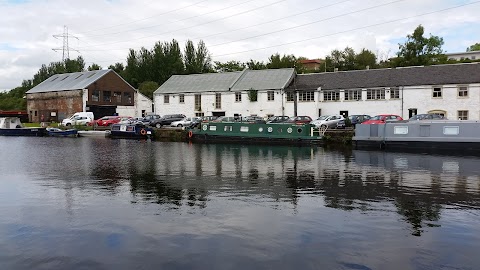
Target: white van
(78,119)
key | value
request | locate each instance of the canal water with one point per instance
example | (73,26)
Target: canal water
(91,203)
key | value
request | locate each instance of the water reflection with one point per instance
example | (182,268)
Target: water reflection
(270,206)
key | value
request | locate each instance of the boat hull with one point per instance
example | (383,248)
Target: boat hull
(73,133)
(36,132)
(202,138)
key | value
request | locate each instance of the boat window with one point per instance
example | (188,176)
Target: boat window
(400,130)
(451,130)
(243,129)
(299,130)
(279,130)
(213,128)
(129,128)
(228,128)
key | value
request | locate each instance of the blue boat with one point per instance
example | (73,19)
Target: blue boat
(131,131)
(11,126)
(56,132)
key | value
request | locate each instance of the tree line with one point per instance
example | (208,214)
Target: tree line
(147,69)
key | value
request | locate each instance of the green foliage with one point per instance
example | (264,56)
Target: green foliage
(349,60)
(252,95)
(285,61)
(348,123)
(197,60)
(474,47)
(229,66)
(419,50)
(94,67)
(255,65)
(147,88)
(118,68)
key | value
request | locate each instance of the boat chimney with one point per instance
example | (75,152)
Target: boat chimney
(335,70)
(367,67)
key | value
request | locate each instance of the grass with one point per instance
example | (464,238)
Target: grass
(57,125)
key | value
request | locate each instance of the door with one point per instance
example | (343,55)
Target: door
(412,112)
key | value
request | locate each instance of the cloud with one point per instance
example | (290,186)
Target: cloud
(232,30)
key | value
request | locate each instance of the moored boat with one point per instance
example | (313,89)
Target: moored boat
(246,132)
(131,131)
(56,132)
(11,126)
(431,136)
(94,133)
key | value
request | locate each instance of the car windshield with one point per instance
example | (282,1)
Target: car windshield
(378,117)
(323,117)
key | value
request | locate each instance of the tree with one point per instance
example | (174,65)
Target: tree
(255,65)
(197,60)
(228,66)
(285,61)
(365,59)
(419,50)
(147,88)
(474,47)
(94,67)
(118,68)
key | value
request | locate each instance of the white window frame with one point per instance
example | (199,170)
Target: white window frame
(218,100)
(437,92)
(353,94)
(331,95)
(394,92)
(376,94)
(166,99)
(238,96)
(306,96)
(181,98)
(462,114)
(462,91)
(270,95)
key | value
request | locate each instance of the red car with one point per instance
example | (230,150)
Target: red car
(382,118)
(107,121)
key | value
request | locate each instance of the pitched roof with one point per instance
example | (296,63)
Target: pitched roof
(68,81)
(408,76)
(228,81)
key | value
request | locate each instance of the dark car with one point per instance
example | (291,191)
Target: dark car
(299,119)
(354,120)
(149,118)
(427,116)
(277,119)
(166,120)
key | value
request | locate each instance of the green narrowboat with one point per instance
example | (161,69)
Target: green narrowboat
(245,132)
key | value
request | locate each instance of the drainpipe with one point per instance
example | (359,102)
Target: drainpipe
(295,102)
(282,91)
(402,101)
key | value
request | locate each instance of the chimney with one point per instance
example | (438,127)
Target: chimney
(367,67)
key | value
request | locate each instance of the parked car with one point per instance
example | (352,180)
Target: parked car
(127,120)
(107,121)
(354,120)
(208,118)
(166,120)
(254,119)
(149,118)
(184,122)
(277,119)
(427,116)
(327,120)
(382,118)
(78,119)
(299,119)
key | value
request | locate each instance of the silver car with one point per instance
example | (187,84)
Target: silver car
(327,120)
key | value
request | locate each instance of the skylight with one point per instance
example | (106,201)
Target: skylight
(65,77)
(91,75)
(79,76)
(54,79)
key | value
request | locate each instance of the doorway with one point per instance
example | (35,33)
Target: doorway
(344,114)
(412,112)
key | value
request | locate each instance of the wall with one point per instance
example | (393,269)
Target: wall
(113,83)
(63,104)
(142,103)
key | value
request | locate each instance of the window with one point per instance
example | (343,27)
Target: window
(306,96)
(127,97)
(353,94)
(437,92)
(218,100)
(238,96)
(394,93)
(78,76)
(181,98)
(290,96)
(95,95)
(117,96)
(107,96)
(166,99)
(374,94)
(463,91)
(270,95)
(201,114)
(331,95)
(198,102)
(462,115)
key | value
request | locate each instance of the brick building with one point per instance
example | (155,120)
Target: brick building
(102,92)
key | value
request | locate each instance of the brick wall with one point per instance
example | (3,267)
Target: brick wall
(54,106)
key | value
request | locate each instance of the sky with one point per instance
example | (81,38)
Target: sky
(102,31)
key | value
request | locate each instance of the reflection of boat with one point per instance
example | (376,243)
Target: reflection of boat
(56,132)
(93,133)
(11,126)
(438,135)
(131,131)
(244,132)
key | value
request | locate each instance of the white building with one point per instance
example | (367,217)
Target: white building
(472,55)
(451,90)
(227,94)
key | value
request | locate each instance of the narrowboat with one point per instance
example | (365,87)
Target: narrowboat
(131,131)
(56,132)
(251,132)
(430,136)
(11,126)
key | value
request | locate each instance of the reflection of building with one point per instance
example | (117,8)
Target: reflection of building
(102,92)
